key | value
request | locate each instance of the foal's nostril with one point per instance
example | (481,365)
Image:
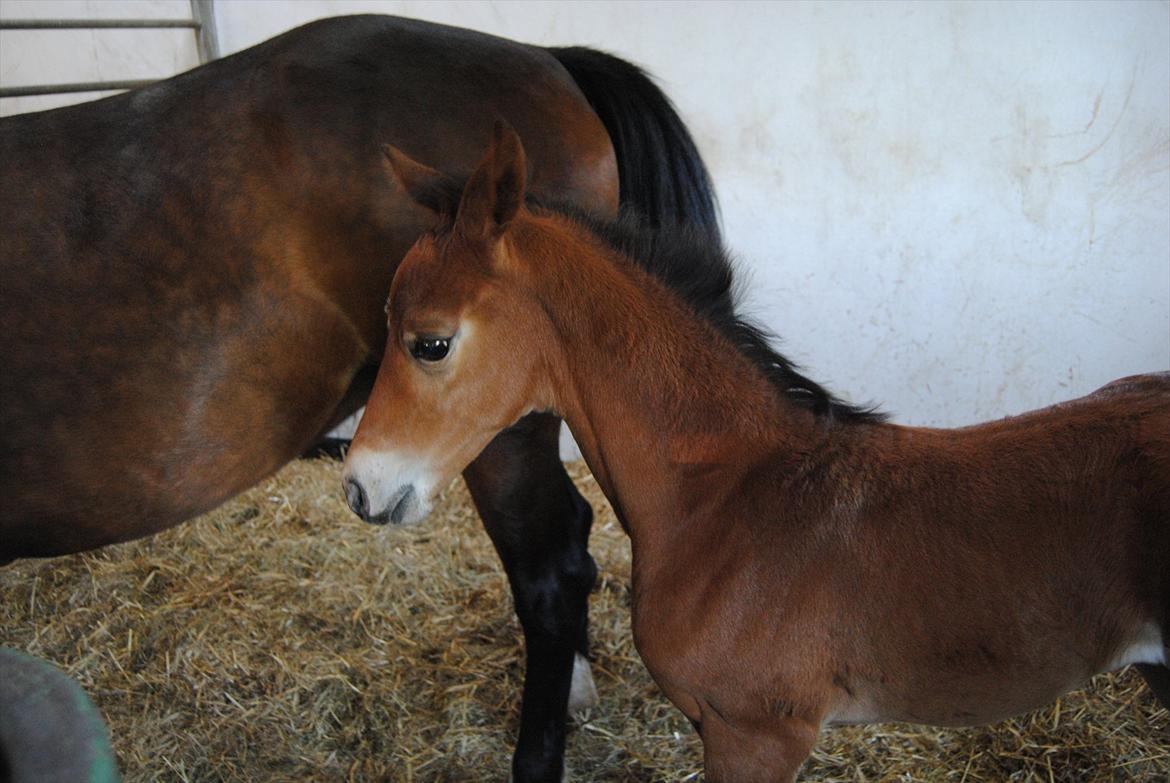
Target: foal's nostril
(356,497)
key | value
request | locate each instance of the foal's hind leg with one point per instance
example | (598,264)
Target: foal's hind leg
(539,524)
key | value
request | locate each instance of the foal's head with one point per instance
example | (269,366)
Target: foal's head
(464,351)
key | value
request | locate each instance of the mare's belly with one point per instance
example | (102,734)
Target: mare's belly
(181,427)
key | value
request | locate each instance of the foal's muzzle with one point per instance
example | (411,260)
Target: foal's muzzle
(403,506)
(386,486)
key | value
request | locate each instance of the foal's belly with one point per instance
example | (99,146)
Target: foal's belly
(971,702)
(989,694)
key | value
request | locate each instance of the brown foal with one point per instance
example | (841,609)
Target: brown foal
(796,562)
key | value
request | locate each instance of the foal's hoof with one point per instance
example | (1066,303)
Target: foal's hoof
(582,693)
(50,732)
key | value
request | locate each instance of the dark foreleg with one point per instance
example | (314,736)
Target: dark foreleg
(1158,678)
(539,524)
(355,397)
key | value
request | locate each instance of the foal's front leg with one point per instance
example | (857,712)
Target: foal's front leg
(739,752)
(539,524)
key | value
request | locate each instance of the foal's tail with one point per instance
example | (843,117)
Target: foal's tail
(662,176)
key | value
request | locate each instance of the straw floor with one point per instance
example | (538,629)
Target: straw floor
(281,639)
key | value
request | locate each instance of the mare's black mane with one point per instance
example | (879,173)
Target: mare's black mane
(693,264)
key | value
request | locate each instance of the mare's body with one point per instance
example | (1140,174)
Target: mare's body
(796,561)
(193,277)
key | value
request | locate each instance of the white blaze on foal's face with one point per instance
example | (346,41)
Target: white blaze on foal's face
(458,369)
(461,360)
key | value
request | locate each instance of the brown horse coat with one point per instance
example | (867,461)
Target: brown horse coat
(795,562)
(193,272)
(192,278)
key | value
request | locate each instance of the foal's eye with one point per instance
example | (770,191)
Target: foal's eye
(430,349)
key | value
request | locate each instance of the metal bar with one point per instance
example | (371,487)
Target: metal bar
(202,21)
(206,36)
(99,24)
(53,89)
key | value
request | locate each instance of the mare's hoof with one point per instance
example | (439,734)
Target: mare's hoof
(564,776)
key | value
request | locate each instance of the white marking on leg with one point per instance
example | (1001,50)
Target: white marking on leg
(1147,646)
(582,693)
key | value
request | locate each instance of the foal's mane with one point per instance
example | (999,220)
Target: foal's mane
(691,262)
(694,264)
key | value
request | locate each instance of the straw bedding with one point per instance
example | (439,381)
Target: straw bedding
(279,638)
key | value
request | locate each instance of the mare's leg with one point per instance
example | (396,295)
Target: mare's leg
(1157,677)
(539,524)
(355,397)
(755,754)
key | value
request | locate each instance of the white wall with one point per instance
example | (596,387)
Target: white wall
(958,210)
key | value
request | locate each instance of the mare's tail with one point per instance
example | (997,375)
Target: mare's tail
(661,173)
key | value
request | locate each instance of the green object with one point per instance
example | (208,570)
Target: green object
(50,731)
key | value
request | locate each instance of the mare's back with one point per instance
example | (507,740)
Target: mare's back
(301,111)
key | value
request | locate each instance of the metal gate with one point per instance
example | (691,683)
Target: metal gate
(201,22)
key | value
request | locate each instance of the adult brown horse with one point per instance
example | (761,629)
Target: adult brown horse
(796,561)
(194,275)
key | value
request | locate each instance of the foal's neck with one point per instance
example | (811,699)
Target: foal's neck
(658,399)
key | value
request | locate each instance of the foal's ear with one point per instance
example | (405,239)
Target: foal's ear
(427,187)
(495,191)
